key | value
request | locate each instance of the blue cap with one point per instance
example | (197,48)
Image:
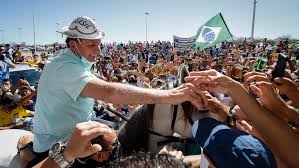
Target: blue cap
(232,148)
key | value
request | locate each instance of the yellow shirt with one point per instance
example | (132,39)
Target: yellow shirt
(21,111)
(274,54)
(32,62)
(157,70)
(7,118)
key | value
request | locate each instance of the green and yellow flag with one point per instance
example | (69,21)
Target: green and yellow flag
(212,32)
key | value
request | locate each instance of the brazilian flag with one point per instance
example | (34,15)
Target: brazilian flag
(213,32)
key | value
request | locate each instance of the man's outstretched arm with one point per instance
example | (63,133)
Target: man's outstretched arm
(118,93)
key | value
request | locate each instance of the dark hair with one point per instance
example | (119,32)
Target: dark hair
(148,160)
(2,57)
(68,40)
(7,80)
(9,100)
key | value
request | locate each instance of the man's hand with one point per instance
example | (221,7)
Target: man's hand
(286,86)
(255,77)
(228,71)
(79,144)
(215,106)
(187,92)
(21,83)
(269,98)
(168,150)
(28,103)
(241,115)
(213,81)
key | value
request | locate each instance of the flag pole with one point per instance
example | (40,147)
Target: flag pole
(253,20)
(227,27)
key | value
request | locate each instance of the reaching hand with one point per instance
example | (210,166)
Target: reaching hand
(168,150)
(79,144)
(228,71)
(241,115)
(215,106)
(22,83)
(269,98)
(255,77)
(213,81)
(286,86)
(187,92)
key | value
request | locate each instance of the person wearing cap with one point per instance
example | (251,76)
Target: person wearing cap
(224,146)
(279,135)
(67,88)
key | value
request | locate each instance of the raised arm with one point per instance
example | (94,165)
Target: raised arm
(118,93)
(281,138)
(79,145)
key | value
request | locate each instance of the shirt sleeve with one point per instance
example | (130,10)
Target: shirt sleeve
(74,79)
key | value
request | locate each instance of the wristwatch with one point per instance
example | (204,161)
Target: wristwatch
(56,154)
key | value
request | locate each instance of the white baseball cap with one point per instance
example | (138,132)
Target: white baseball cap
(83,27)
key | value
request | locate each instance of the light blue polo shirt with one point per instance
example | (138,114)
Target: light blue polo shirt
(59,106)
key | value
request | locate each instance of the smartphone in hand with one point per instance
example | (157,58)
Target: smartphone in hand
(280,66)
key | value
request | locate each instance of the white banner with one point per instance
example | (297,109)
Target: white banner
(182,44)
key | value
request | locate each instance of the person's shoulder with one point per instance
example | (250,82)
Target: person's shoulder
(19,109)
(66,61)
(70,67)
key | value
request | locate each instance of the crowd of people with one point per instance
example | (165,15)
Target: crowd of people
(238,83)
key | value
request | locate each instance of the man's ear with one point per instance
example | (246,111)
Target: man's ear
(72,44)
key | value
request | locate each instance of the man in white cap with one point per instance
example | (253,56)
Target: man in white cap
(67,90)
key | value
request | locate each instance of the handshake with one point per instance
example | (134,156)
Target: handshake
(212,81)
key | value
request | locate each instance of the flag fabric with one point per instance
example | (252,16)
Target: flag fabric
(212,32)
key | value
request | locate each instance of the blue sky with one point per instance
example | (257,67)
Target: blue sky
(124,20)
